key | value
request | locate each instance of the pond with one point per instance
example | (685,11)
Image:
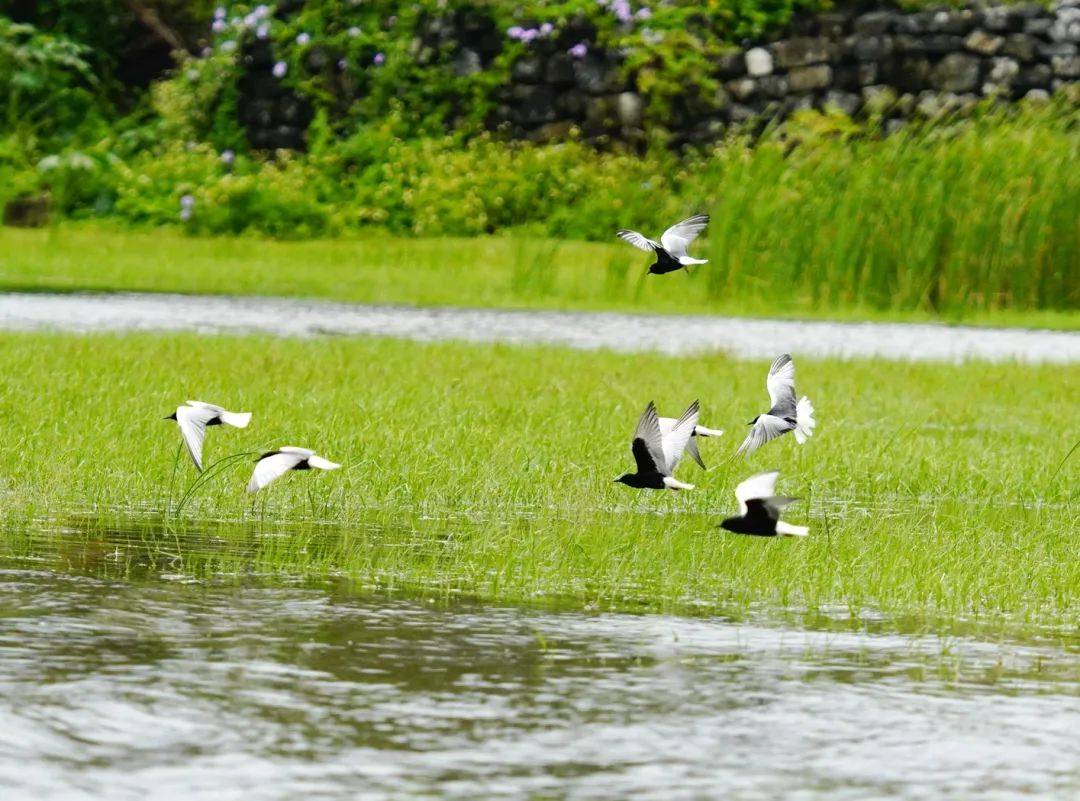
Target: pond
(126,682)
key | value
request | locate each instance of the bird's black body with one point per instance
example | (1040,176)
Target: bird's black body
(647,476)
(216,421)
(760,519)
(299,465)
(665,263)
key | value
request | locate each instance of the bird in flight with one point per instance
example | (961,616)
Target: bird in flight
(657,455)
(196,416)
(784,415)
(760,509)
(668,423)
(671,249)
(273,465)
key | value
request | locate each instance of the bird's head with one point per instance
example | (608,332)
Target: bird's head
(170,417)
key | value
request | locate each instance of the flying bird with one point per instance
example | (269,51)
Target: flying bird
(668,423)
(760,509)
(657,454)
(196,416)
(785,415)
(273,465)
(671,249)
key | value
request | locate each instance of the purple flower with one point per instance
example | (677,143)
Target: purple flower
(343,64)
(622,10)
(378,60)
(187,203)
(546,29)
(228,46)
(219,12)
(515,32)
(280,69)
(227,158)
(206,52)
(263,30)
(529,34)
(261,11)
(250,20)
(303,39)
(354,31)
(579,50)
(644,13)
(218,26)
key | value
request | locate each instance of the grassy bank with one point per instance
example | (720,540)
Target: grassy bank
(482,271)
(485,469)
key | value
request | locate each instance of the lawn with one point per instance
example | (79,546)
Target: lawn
(929,489)
(508,272)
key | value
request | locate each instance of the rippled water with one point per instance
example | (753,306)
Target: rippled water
(677,334)
(125,683)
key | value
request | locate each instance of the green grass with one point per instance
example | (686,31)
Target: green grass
(929,489)
(477,272)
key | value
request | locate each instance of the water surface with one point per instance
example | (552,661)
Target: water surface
(675,334)
(133,683)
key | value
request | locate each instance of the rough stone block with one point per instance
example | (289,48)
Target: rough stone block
(957,72)
(983,43)
(1065,66)
(560,70)
(807,79)
(875,23)
(759,62)
(1033,76)
(869,48)
(774,85)
(731,65)
(533,105)
(742,88)
(630,109)
(1003,70)
(1019,46)
(913,73)
(957,22)
(528,70)
(802,51)
(847,102)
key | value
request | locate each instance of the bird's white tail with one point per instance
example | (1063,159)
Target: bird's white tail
(804,420)
(675,484)
(687,260)
(236,419)
(787,530)
(701,431)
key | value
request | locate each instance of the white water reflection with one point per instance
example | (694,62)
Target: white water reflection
(192,691)
(749,338)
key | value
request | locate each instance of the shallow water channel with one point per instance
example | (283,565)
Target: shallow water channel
(675,334)
(123,682)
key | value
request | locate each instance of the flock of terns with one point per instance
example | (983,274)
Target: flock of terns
(658,444)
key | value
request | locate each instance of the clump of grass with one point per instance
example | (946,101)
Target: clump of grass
(929,489)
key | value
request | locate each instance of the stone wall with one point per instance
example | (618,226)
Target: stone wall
(857,59)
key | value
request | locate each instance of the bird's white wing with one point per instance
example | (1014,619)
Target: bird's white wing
(678,237)
(767,427)
(271,468)
(321,463)
(760,485)
(648,431)
(201,405)
(305,452)
(640,241)
(781,384)
(675,440)
(192,422)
